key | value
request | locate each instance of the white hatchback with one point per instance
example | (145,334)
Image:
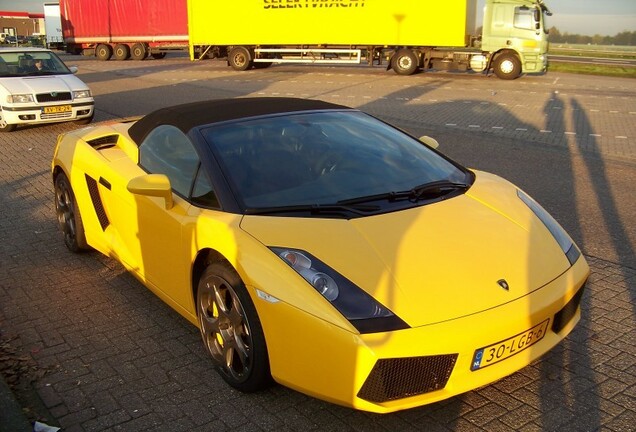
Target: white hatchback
(37,87)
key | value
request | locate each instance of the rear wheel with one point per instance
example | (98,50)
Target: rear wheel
(507,66)
(231,330)
(121,52)
(239,58)
(404,62)
(68,216)
(138,51)
(103,52)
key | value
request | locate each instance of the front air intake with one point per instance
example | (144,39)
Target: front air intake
(397,378)
(567,313)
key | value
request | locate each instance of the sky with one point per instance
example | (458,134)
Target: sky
(586,17)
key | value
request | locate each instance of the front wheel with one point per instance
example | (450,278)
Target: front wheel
(231,330)
(6,127)
(68,216)
(405,62)
(507,66)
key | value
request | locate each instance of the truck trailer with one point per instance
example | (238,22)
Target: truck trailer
(124,29)
(53,26)
(409,35)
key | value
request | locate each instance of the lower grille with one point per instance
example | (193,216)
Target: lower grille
(56,115)
(565,315)
(398,378)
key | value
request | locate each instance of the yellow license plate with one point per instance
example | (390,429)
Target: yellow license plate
(499,351)
(56,109)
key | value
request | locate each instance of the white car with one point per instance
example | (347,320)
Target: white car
(37,87)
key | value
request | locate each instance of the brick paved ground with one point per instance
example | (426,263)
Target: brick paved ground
(118,359)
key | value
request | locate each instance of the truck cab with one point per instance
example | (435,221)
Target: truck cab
(515,33)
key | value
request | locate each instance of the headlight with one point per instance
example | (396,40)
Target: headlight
(81,94)
(20,98)
(563,239)
(362,310)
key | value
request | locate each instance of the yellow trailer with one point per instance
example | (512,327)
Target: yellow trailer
(412,34)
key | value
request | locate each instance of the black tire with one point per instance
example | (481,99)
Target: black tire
(138,51)
(68,215)
(158,56)
(239,58)
(231,331)
(404,62)
(121,52)
(85,120)
(507,66)
(103,52)
(262,65)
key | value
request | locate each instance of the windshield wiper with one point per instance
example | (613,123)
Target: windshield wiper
(436,188)
(426,190)
(323,209)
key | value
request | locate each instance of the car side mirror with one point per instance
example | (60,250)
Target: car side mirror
(156,185)
(431,142)
(73,69)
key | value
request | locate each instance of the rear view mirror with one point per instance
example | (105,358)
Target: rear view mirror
(431,142)
(156,185)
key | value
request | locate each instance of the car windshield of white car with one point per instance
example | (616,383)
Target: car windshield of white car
(329,161)
(30,63)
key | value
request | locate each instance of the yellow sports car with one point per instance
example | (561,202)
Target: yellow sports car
(317,246)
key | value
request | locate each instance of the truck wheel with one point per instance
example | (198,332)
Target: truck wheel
(121,52)
(404,62)
(103,52)
(239,59)
(138,51)
(507,66)
(158,56)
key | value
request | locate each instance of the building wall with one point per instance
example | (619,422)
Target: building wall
(21,26)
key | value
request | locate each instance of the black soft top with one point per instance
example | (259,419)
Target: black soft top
(191,115)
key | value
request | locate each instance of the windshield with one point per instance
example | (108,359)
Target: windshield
(323,158)
(29,63)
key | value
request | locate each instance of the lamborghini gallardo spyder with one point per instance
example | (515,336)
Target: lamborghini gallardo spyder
(318,247)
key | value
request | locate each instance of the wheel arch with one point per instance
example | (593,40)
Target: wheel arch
(204,258)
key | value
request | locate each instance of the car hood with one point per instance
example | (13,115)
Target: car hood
(42,84)
(435,262)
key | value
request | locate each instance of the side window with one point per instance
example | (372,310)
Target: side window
(166,150)
(524,18)
(202,192)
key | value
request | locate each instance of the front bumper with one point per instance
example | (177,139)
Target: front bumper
(34,114)
(535,63)
(391,371)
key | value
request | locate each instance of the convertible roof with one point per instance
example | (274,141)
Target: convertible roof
(188,116)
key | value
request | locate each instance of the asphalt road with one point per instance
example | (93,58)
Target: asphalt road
(102,353)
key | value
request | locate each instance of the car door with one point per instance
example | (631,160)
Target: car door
(162,252)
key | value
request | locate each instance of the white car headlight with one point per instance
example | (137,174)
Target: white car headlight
(568,247)
(20,98)
(81,94)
